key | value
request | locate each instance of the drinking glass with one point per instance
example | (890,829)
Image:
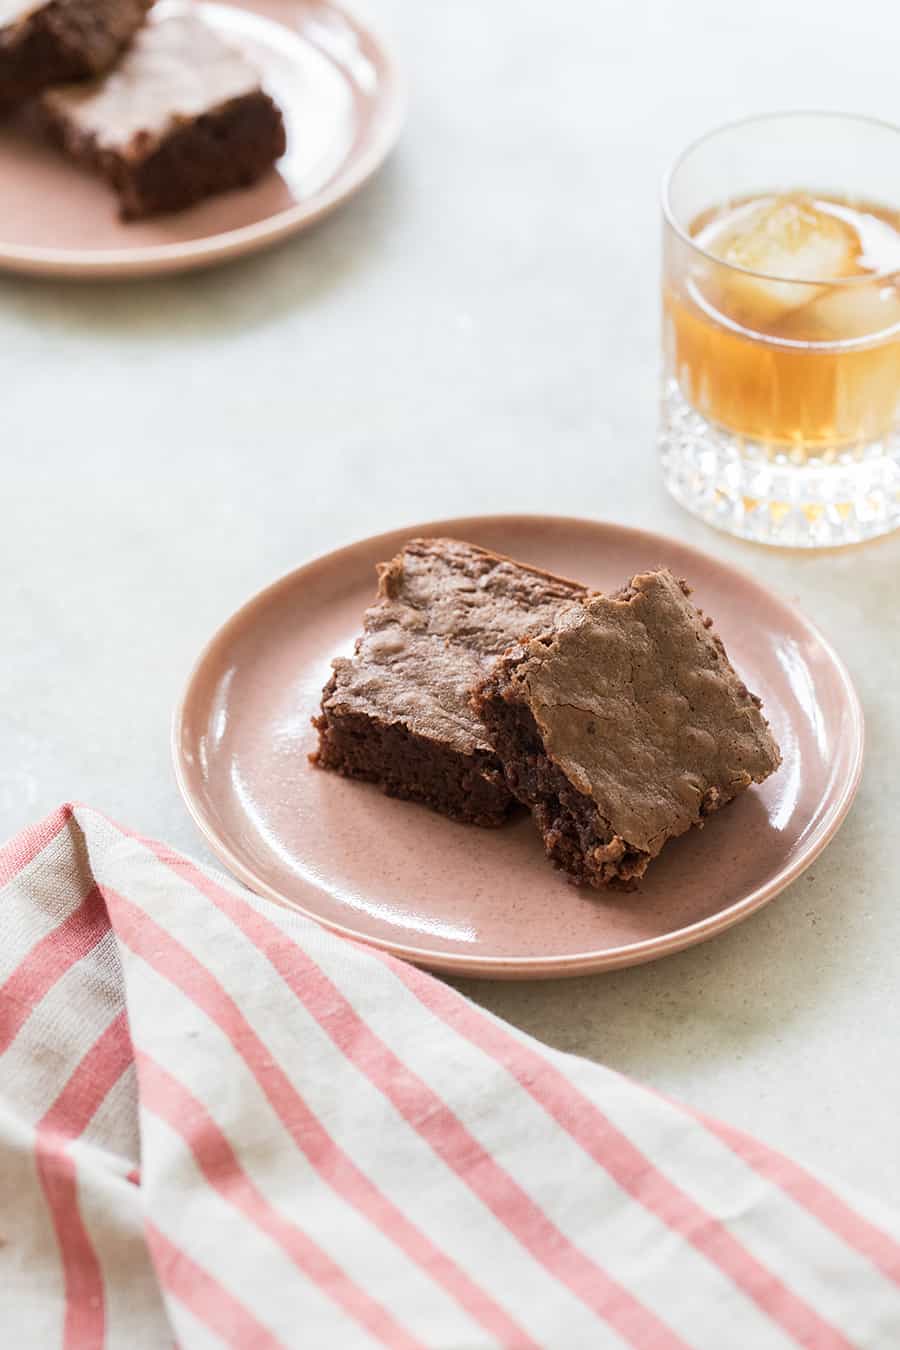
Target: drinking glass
(780,416)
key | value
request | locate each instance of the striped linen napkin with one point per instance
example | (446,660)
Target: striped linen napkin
(221,1125)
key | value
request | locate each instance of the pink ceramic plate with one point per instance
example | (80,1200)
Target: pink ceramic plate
(343,104)
(486,902)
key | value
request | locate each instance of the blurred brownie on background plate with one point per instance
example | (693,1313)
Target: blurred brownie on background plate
(398,712)
(182,116)
(46,44)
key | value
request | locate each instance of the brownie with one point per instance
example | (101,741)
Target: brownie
(181,117)
(46,44)
(623,725)
(398,712)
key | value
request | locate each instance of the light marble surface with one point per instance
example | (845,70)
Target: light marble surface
(477,332)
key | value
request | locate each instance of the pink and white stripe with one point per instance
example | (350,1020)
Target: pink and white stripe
(337,1150)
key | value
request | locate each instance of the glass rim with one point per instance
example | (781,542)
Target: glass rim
(677,163)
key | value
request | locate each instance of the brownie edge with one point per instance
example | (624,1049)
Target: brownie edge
(467,788)
(229,147)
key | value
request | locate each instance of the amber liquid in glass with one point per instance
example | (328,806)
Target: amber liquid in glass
(788,334)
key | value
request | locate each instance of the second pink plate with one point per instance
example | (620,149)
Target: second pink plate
(486,902)
(343,104)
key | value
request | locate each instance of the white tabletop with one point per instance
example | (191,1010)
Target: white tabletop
(477,332)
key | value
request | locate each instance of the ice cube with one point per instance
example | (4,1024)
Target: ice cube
(841,313)
(780,237)
(879,238)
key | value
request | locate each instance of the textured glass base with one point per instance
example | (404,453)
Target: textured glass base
(749,490)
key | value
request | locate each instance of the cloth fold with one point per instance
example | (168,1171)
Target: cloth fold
(223,1125)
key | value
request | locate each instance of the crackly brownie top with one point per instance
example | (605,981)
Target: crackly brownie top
(175,70)
(444,610)
(638,704)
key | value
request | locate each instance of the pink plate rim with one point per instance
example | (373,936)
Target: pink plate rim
(159,259)
(534,967)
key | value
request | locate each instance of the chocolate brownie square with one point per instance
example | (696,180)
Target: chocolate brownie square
(183,116)
(623,725)
(46,44)
(398,712)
